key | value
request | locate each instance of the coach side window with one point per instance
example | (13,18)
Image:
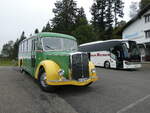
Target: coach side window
(23,47)
(39,44)
(29,45)
(26,46)
(20,48)
(34,43)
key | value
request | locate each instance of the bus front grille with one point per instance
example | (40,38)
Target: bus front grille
(79,66)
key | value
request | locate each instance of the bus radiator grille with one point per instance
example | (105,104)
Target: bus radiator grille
(79,66)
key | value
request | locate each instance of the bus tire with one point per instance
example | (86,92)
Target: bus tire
(107,65)
(42,82)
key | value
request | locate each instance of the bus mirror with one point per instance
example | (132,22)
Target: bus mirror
(127,44)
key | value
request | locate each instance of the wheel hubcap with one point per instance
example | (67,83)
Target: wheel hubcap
(107,65)
(43,80)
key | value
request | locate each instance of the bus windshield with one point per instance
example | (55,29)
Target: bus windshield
(131,50)
(125,50)
(59,44)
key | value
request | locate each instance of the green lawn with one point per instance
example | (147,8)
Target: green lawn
(8,62)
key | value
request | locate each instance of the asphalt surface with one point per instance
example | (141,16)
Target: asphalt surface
(19,93)
(118,91)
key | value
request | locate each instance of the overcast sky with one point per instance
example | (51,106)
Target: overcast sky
(26,15)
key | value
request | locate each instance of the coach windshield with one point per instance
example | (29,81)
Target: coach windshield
(59,44)
(131,51)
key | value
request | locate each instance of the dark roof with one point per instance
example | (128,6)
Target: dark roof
(137,16)
(99,46)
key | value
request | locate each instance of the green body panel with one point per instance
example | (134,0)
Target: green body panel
(62,58)
(46,34)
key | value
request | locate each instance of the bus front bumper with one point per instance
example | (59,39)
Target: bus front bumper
(132,66)
(81,82)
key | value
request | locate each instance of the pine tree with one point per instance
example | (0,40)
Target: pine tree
(84,34)
(22,36)
(144,3)
(105,14)
(43,30)
(65,15)
(7,50)
(118,10)
(47,28)
(36,31)
(81,17)
(109,14)
(83,31)
(16,45)
(98,12)
(109,18)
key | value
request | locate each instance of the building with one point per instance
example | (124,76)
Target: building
(138,29)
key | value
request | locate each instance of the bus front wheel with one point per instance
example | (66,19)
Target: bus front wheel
(42,82)
(107,65)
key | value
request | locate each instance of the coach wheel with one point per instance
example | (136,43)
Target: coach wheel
(107,65)
(42,82)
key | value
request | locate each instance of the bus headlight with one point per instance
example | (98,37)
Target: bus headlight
(61,72)
(93,70)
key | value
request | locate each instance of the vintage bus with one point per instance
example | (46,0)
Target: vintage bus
(53,59)
(121,54)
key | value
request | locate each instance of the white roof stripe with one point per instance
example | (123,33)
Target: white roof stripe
(95,42)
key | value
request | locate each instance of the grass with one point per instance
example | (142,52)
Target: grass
(7,62)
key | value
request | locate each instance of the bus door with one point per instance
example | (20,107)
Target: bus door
(33,55)
(117,51)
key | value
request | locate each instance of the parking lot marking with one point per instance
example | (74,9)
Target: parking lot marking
(133,104)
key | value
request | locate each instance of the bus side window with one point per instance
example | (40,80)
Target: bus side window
(39,44)
(29,45)
(33,45)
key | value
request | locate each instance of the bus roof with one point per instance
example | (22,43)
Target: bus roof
(96,42)
(50,34)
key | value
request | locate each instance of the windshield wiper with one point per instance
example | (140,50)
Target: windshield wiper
(49,47)
(70,49)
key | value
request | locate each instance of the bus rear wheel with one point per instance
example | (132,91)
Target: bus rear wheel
(43,85)
(107,65)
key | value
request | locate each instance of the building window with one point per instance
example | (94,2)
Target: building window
(147,34)
(147,18)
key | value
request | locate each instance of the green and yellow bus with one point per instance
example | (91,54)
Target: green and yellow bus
(53,59)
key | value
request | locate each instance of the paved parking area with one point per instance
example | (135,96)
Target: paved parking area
(19,93)
(118,91)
